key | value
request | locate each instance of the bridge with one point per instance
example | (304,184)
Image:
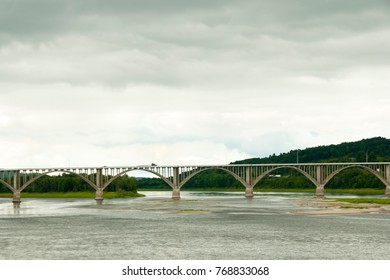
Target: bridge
(99,178)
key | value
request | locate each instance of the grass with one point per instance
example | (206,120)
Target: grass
(365,200)
(284,190)
(352,207)
(74,195)
(356,191)
(337,191)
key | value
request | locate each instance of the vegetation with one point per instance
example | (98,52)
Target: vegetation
(375,149)
(365,200)
(71,185)
(152,184)
(352,207)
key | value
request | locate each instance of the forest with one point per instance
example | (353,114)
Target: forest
(72,183)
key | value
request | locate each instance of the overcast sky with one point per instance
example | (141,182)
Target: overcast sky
(125,82)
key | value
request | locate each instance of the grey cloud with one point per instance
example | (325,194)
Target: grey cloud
(189,43)
(23,19)
(293,19)
(246,77)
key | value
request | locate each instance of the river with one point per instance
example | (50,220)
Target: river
(201,225)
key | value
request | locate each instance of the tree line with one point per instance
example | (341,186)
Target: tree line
(375,149)
(68,182)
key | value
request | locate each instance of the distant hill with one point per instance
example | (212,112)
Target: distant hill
(372,149)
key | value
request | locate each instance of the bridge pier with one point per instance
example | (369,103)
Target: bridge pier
(176,193)
(387,191)
(16,199)
(249,192)
(320,192)
(99,196)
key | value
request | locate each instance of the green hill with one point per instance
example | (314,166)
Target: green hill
(373,149)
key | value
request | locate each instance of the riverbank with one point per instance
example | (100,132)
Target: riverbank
(74,195)
(325,206)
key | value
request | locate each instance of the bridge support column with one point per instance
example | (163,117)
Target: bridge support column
(16,199)
(176,193)
(99,183)
(175,186)
(99,196)
(320,179)
(320,192)
(387,191)
(249,192)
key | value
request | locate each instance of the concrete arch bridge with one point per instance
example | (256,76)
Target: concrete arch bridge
(17,180)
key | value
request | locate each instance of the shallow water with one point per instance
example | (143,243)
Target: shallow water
(199,226)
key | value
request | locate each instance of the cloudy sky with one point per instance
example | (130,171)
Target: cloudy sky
(125,82)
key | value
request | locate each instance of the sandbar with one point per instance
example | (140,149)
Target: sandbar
(332,207)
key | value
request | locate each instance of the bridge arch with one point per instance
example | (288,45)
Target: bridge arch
(29,182)
(139,169)
(241,180)
(330,176)
(307,175)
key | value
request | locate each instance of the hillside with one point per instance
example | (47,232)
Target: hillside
(373,149)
